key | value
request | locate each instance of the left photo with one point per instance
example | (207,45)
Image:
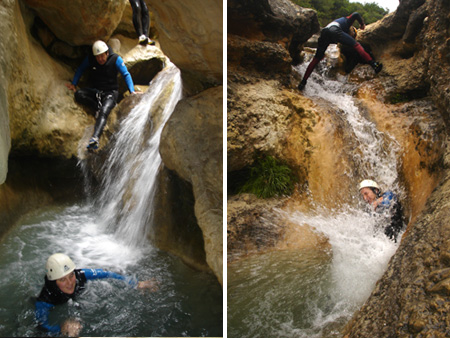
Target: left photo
(111,168)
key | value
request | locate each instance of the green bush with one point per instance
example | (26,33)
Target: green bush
(269,177)
(329,10)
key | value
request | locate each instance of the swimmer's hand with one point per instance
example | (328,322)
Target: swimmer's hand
(151,285)
(71,328)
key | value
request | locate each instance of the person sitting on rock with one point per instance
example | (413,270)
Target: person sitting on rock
(141,21)
(381,202)
(103,65)
(339,31)
(63,282)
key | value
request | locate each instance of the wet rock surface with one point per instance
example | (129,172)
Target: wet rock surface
(44,43)
(413,296)
(408,99)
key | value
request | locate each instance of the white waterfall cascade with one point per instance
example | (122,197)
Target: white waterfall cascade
(131,170)
(303,294)
(360,250)
(377,153)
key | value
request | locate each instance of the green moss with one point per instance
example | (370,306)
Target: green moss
(269,177)
(399,98)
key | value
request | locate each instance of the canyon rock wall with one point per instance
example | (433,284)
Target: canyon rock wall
(408,100)
(38,114)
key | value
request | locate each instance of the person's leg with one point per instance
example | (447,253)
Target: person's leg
(137,17)
(87,97)
(323,43)
(145,21)
(346,39)
(145,17)
(108,103)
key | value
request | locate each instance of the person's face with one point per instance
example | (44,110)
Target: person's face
(67,283)
(101,58)
(368,195)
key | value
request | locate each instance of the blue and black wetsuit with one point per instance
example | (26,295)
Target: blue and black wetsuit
(51,295)
(337,32)
(103,93)
(391,204)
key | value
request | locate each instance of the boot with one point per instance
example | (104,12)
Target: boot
(93,144)
(143,40)
(302,85)
(377,67)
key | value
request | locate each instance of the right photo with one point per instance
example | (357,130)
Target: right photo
(337,168)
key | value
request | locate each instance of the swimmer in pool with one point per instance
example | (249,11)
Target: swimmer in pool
(63,282)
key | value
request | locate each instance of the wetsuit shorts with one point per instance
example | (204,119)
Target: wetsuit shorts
(332,34)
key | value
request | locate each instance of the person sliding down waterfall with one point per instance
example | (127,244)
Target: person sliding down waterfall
(382,202)
(339,31)
(63,282)
(103,65)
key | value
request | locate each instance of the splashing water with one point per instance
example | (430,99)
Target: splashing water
(314,293)
(130,173)
(376,154)
(112,237)
(107,307)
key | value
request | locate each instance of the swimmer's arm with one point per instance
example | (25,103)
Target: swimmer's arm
(42,312)
(92,274)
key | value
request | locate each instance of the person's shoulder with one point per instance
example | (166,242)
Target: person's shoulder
(45,297)
(390,196)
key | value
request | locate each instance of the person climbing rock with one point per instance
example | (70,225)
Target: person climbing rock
(339,31)
(141,21)
(63,282)
(382,202)
(103,65)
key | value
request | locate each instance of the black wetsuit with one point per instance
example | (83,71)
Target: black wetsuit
(141,17)
(103,93)
(392,204)
(337,32)
(51,295)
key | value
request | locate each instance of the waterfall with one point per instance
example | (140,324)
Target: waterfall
(131,169)
(306,293)
(376,154)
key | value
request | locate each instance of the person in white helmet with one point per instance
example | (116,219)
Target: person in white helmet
(63,281)
(103,65)
(380,202)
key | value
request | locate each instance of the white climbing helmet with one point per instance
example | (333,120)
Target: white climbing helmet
(99,47)
(368,184)
(58,265)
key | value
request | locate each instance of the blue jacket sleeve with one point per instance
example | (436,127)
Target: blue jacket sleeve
(388,198)
(42,312)
(120,64)
(80,70)
(92,274)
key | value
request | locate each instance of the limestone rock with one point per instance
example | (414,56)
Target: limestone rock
(8,14)
(191,145)
(79,23)
(273,20)
(190,34)
(255,226)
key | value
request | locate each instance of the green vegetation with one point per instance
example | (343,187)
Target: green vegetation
(269,177)
(399,98)
(329,10)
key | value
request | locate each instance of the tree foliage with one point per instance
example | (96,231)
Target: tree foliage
(329,10)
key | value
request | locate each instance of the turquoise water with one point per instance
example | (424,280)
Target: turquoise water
(188,303)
